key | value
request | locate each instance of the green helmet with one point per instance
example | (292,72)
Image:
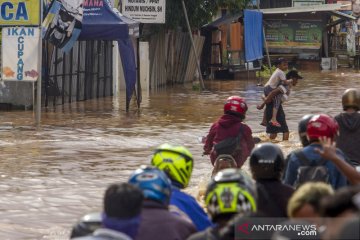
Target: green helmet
(176,161)
(231,191)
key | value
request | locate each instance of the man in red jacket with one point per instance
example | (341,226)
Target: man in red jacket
(230,125)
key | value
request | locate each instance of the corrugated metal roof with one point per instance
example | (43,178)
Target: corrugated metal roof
(227,19)
(330,8)
(312,8)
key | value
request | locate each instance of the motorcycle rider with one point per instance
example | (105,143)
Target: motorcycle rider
(229,193)
(230,125)
(157,222)
(177,162)
(349,125)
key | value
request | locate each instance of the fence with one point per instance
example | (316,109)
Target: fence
(83,73)
(172,59)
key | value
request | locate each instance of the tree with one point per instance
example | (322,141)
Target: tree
(200,11)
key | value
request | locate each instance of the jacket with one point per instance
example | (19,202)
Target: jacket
(229,126)
(105,234)
(273,197)
(157,222)
(184,204)
(337,179)
(210,233)
(349,135)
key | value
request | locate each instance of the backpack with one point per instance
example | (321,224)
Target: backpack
(229,145)
(311,171)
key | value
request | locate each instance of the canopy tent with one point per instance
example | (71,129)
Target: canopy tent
(101,22)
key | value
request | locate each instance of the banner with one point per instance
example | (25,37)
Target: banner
(293,34)
(62,24)
(20,53)
(20,12)
(144,11)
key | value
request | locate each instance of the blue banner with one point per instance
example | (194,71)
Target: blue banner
(253,35)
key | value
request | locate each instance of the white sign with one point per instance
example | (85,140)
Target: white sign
(303,3)
(20,53)
(145,11)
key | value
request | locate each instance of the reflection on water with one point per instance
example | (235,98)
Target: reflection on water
(52,176)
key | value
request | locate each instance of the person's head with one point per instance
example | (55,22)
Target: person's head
(122,207)
(236,105)
(154,183)
(302,126)
(321,125)
(267,162)
(351,99)
(340,204)
(230,192)
(294,75)
(123,201)
(222,162)
(305,202)
(282,64)
(176,161)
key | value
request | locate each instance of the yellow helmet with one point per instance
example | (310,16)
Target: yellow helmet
(176,161)
(351,99)
(230,191)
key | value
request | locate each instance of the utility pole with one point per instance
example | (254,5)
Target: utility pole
(193,46)
(38,86)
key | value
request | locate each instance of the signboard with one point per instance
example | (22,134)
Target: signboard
(303,3)
(294,34)
(19,12)
(145,11)
(20,53)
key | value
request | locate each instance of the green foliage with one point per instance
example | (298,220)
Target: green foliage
(200,12)
(265,73)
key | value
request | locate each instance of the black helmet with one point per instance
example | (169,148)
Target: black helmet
(267,161)
(351,99)
(302,129)
(87,225)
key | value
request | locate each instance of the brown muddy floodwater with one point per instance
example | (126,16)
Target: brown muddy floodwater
(50,177)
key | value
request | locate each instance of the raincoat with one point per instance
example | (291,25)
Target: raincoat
(229,126)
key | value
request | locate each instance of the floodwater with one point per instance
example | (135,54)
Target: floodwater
(52,176)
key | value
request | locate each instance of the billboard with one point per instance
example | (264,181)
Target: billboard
(20,53)
(144,11)
(294,34)
(19,13)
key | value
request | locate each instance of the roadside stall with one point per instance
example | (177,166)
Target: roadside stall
(301,34)
(233,45)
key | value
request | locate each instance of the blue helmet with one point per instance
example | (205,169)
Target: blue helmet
(153,182)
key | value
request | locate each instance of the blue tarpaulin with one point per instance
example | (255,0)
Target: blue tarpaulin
(100,22)
(253,35)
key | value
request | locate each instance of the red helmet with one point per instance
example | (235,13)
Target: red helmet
(322,125)
(235,104)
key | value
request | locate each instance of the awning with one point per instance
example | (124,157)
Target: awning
(227,19)
(333,9)
(103,23)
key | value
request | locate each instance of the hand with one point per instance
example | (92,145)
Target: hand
(328,150)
